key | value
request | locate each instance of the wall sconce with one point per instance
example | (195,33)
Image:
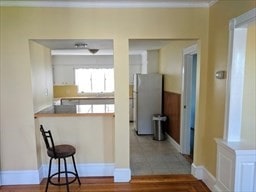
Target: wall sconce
(220,75)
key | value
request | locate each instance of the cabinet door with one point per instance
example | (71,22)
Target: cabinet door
(63,75)
(70,102)
(131,109)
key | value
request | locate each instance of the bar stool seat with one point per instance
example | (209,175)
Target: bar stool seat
(59,152)
(62,151)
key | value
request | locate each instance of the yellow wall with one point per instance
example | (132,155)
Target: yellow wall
(92,136)
(220,15)
(41,72)
(18,25)
(171,61)
(248,131)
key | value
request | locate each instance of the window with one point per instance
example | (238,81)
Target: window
(94,80)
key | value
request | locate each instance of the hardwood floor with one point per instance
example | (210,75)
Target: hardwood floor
(163,183)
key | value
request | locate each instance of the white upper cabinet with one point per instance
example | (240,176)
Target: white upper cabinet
(63,75)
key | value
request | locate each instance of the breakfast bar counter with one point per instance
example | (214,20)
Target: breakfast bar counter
(77,110)
(90,128)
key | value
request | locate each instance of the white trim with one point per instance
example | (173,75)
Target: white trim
(36,176)
(184,133)
(85,170)
(236,85)
(211,3)
(137,52)
(122,175)
(107,4)
(20,177)
(80,52)
(191,50)
(197,171)
(173,142)
(244,19)
(236,62)
(201,173)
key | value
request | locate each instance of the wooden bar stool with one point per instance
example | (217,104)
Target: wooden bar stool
(59,152)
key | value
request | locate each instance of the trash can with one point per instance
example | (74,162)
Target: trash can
(158,127)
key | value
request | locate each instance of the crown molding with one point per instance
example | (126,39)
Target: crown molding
(108,4)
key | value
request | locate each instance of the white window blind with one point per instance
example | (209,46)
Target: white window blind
(94,80)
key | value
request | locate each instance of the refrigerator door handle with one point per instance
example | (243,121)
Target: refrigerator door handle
(139,82)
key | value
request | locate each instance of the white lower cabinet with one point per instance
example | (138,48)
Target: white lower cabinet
(131,109)
(236,167)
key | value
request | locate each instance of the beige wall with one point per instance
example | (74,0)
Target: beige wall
(171,63)
(220,15)
(41,72)
(19,25)
(92,136)
(248,130)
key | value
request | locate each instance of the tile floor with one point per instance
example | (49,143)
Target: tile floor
(150,157)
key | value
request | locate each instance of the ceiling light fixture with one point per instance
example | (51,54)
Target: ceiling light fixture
(93,51)
(80,45)
(85,46)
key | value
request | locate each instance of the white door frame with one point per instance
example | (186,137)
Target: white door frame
(185,102)
(236,64)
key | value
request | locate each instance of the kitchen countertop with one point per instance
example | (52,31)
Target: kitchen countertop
(76,110)
(87,97)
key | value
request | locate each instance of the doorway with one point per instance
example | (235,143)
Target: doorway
(147,156)
(188,100)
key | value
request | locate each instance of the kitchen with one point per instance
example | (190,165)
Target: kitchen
(66,62)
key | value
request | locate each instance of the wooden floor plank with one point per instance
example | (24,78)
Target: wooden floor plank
(161,183)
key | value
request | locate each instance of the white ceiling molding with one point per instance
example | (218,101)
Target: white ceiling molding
(111,4)
(212,2)
(80,52)
(86,52)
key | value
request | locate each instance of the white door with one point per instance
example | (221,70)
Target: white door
(188,100)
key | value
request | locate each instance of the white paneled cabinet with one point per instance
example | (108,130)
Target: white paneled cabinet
(131,106)
(236,167)
(63,75)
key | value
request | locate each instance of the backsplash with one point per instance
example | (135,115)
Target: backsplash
(65,91)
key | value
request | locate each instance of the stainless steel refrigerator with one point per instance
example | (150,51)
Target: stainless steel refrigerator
(147,95)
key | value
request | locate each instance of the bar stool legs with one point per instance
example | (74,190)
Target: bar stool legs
(59,152)
(74,163)
(66,172)
(49,175)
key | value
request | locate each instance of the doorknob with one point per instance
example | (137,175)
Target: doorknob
(184,106)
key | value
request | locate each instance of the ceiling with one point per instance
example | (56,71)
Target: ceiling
(105,46)
(138,44)
(109,3)
(70,43)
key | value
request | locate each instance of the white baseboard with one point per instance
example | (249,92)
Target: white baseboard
(201,173)
(86,170)
(20,177)
(197,171)
(36,176)
(219,187)
(173,142)
(122,175)
(94,170)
